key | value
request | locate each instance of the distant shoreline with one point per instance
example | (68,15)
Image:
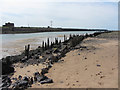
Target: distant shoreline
(20,30)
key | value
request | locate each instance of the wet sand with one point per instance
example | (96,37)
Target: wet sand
(17,47)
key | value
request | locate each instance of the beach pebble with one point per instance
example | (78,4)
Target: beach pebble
(46,81)
(24,59)
(85,58)
(73,84)
(21,66)
(44,70)
(28,71)
(19,77)
(68,84)
(61,60)
(102,76)
(26,78)
(61,81)
(36,73)
(36,57)
(23,83)
(14,79)
(85,68)
(98,65)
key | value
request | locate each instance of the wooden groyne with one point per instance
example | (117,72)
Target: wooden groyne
(51,52)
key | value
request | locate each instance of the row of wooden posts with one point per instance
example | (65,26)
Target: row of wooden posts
(46,45)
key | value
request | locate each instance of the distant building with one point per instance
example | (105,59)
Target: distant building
(8,24)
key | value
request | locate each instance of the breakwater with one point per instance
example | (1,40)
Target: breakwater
(15,30)
(51,52)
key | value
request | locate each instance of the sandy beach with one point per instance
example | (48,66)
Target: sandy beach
(81,71)
(95,66)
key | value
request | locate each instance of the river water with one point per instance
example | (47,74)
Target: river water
(12,44)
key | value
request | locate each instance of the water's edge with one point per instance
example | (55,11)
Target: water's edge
(13,44)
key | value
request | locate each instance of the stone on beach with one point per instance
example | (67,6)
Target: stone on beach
(46,81)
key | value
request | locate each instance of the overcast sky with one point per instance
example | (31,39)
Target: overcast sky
(63,13)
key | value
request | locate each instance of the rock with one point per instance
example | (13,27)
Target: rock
(26,78)
(98,65)
(55,50)
(83,47)
(9,80)
(49,65)
(60,61)
(36,73)
(38,77)
(39,46)
(36,57)
(6,68)
(8,60)
(31,80)
(4,84)
(77,47)
(44,70)
(23,83)
(24,59)
(48,52)
(102,76)
(14,79)
(41,78)
(29,70)
(35,78)
(21,66)
(59,55)
(61,82)
(46,81)
(53,58)
(85,58)
(19,77)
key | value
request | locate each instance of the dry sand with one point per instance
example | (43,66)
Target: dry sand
(79,68)
(81,71)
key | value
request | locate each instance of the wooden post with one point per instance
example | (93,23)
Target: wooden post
(43,45)
(56,40)
(51,45)
(70,36)
(48,42)
(27,49)
(60,42)
(64,37)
